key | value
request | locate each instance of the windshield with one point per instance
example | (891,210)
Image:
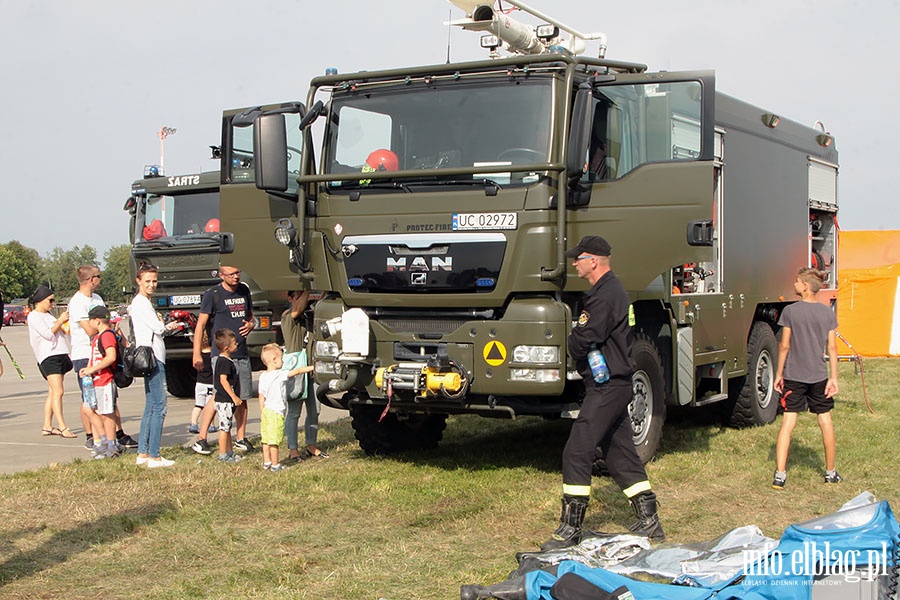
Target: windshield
(184,214)
(448,124)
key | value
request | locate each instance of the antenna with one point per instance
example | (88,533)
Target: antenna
(449,17)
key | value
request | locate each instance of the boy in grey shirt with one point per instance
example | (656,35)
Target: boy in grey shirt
(804,378)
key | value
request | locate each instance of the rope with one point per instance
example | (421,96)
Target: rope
(857,358)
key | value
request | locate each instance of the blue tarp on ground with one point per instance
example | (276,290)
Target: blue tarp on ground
(836,544)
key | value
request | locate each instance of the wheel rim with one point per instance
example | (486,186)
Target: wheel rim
(640,409)
(765,379)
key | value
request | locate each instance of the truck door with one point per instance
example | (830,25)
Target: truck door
(649,172)
(252,214)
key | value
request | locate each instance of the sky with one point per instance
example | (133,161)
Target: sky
(86,85)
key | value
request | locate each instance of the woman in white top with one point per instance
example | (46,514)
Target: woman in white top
(51,348)
(148,331)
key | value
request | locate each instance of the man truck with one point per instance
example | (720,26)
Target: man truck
(436,215)
(175,226)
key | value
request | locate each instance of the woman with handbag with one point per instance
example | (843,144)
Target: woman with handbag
(148,330)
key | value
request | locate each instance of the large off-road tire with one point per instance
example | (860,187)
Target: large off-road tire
(395,434)
(181,376)
(648,406)
(753,398)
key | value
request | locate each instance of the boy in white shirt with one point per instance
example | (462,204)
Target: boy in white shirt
(272,404)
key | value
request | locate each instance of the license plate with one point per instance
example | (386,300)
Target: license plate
(496,220)
(184,300)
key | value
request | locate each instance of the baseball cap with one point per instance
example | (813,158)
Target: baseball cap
(590,244)
(98,312)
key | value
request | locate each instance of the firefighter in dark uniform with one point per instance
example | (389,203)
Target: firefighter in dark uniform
(606,321)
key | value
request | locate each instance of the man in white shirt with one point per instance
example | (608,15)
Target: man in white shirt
(79,305)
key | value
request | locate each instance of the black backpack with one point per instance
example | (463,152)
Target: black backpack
(121,374)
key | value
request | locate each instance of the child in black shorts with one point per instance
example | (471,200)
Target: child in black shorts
(228,391)
(804,377)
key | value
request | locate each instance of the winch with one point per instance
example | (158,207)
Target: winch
(424,380)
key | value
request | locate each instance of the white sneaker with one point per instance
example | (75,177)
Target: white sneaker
(141,460)
(160,462)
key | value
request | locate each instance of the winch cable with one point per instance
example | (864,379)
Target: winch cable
(857,358)
(387,407)
(464,383)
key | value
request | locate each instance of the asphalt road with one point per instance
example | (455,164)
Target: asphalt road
(22,447)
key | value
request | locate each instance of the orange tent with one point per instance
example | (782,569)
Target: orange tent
(868,303)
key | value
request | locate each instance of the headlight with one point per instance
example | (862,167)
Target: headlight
(538,375)
(536,354)
(286,233)
(325,367)
(327,349)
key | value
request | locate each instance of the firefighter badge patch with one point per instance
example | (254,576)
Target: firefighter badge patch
(583,318)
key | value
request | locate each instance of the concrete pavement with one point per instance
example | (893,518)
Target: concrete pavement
(22,447)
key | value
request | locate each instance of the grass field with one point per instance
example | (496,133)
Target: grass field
(416,526)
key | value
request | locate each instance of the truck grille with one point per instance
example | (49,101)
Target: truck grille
(401,325)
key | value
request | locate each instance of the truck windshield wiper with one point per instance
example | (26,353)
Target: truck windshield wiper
(483,182)
(197,236)
(374,185)
(154,244)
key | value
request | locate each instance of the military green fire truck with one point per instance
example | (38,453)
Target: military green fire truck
(175,226)
(437,210)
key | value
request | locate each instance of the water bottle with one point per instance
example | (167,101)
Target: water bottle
(87,391)
(599,369)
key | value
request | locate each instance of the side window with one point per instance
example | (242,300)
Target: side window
(241,158)
(242,154)
(639,124)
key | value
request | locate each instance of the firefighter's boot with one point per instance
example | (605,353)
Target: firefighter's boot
(569,531)
(511,589)
(647,524)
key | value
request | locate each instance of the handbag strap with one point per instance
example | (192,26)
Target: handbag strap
(129,327)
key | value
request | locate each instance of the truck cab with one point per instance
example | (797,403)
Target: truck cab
(175,225)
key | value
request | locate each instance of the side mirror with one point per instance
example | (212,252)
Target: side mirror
(270,152)
(314,113)
(579,132)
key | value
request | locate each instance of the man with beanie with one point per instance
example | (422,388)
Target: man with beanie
(605,323)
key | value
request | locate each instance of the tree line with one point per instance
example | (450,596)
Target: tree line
(22,269)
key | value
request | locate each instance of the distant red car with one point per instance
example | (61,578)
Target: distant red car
(13,313)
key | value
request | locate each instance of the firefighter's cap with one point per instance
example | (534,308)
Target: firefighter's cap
(590,244)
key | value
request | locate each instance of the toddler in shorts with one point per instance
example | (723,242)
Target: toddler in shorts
(272,403)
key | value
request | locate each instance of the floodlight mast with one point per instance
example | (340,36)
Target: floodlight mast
(162,134)
(521,38)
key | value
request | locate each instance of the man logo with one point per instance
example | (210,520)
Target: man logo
(418,278)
